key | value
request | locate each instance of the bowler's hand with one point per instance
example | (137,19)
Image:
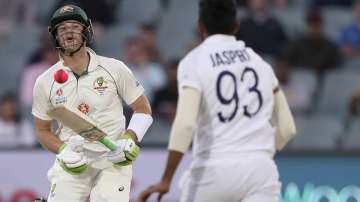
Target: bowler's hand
(161,188)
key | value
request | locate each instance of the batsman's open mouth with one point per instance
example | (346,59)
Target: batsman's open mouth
(69,39)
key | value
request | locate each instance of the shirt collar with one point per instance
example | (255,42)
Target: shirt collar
(94,61)
(219,38)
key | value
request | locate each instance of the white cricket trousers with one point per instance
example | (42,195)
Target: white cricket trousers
(253,178)
(105,183)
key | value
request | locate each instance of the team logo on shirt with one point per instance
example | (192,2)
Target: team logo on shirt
(84,108)
(59,92)
(100,85)
(60,99)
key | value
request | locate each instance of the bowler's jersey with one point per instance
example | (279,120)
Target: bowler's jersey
(237,97)
(98,93)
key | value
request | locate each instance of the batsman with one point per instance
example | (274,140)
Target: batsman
(97,86)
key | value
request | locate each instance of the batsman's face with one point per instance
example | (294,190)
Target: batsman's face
(69,35)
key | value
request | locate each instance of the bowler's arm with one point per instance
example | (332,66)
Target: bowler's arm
(45,136)
(180,139)
(283,119)
(182,129)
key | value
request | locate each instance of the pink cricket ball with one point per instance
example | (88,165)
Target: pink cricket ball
(61,76)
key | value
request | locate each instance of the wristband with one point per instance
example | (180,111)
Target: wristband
(140,123)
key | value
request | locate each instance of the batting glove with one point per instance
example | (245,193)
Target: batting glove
(71,157)
(126,152)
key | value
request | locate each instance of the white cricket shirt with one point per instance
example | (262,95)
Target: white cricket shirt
(98,93)
(237,99)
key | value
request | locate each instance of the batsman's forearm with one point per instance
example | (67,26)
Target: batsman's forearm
(141,105)
(173,161)
(49,141)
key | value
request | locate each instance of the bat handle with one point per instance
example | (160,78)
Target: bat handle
(108,143)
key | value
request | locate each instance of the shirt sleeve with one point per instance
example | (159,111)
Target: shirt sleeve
(129,88)
(187,76)
(41,102)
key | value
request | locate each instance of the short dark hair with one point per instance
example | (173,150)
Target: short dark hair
(218,16)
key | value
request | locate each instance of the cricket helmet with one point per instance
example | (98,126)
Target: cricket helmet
(71,12)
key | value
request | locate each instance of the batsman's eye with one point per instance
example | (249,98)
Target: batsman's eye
(73,27)
(77,27)
(61,29)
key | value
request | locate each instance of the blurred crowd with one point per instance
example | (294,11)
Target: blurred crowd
(310,53)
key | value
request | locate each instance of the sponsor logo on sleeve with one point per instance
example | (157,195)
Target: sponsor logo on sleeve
(60,98)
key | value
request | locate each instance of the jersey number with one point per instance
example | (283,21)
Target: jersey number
(235,97)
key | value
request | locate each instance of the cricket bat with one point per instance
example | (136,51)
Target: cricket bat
(81,124)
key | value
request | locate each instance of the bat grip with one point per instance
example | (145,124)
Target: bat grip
(108,143)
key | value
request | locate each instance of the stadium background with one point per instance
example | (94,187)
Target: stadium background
(321,164)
